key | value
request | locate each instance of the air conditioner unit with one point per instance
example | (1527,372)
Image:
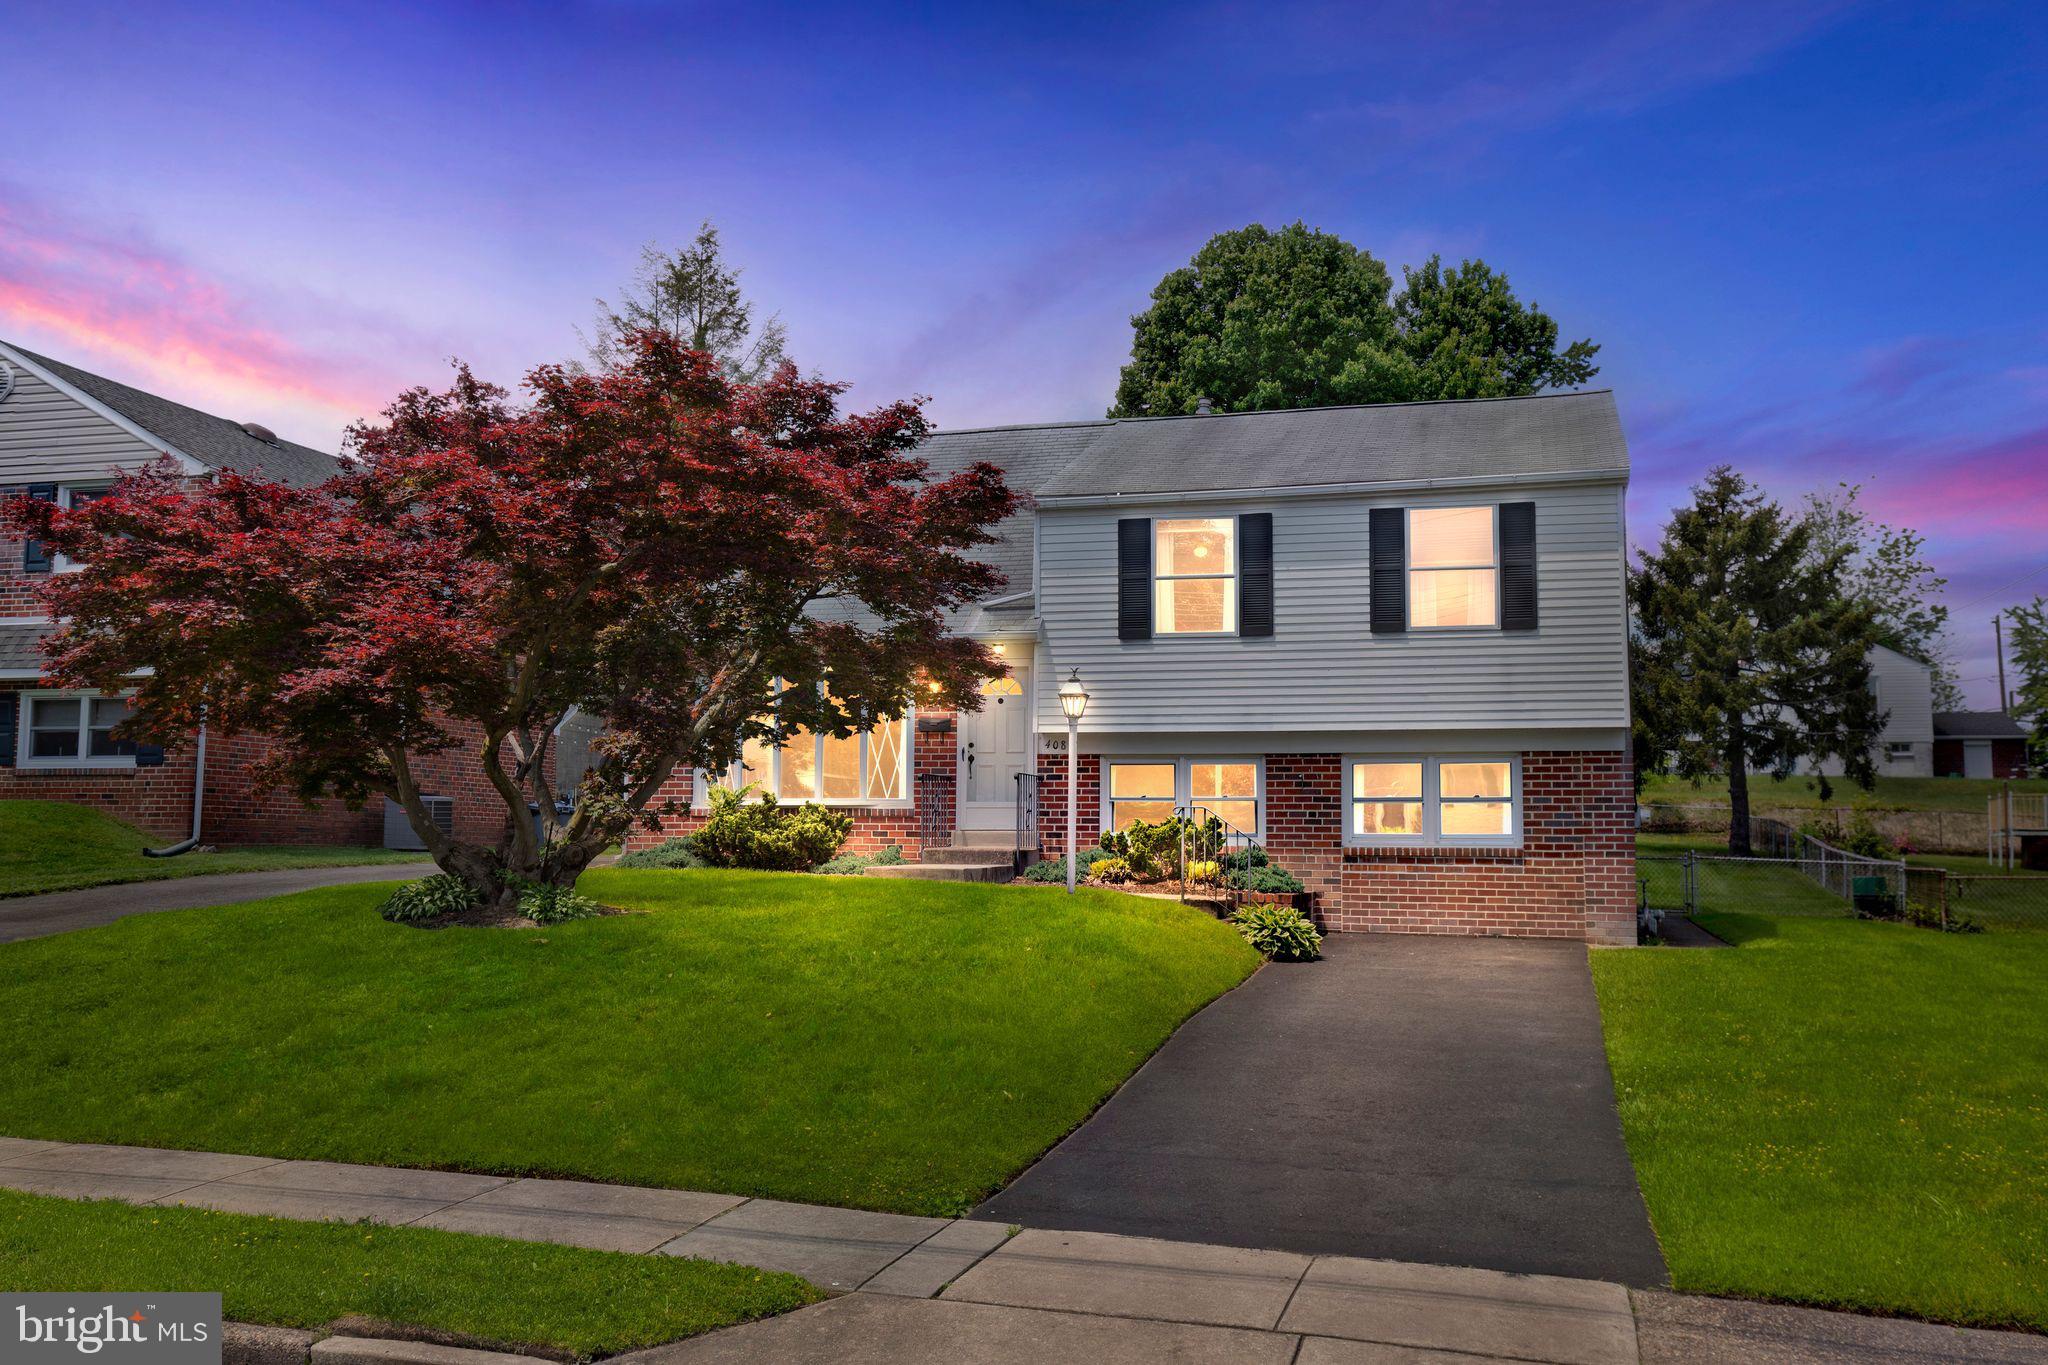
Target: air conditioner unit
(398,831)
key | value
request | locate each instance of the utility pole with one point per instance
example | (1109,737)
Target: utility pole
(1998,643)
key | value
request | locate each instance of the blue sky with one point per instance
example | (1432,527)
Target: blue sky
(1807,239)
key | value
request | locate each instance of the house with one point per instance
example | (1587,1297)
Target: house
(66,435)
(1904,689)
(1388,642)
(1979,744)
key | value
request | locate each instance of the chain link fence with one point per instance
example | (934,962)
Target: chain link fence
(1795,878)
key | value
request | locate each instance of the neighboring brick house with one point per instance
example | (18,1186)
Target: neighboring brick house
(1389,642)
(66,434)
(1979,744)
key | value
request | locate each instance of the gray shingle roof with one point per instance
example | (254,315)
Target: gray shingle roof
(215,442)
(1562,433)
(18,646)
(1028,457)
(1976,725)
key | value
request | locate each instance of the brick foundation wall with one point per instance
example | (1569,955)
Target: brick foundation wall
(933,768)
(1573,876)
(2008,758)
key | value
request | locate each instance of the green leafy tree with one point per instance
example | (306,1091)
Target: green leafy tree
(2027,633)
(1751,652)
(1301,318)
(694,296)
(1886,567)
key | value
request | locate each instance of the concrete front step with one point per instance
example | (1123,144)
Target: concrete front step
(965,855)
(1004,839)
(945,872)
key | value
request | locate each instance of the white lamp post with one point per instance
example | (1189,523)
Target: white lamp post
(1073,701)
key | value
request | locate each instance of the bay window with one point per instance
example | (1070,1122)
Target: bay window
(1432,801)
(1453,567)
(1152,789)
(1194,571)
(869,767)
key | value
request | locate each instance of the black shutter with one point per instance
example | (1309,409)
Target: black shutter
(1387,554)
(1134,578)
(1518,566)
(149,755)
(36,558)
(10,734)
(1255,574)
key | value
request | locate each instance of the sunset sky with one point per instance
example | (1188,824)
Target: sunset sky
(1809,241)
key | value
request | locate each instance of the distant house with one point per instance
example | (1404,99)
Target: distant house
(1904,687)
(65,436)
(1979,744)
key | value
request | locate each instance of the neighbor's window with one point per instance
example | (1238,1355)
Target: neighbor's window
(1194,567)
(863,768)
(1450,800)
(75,499)
(74,730)
(1453,571)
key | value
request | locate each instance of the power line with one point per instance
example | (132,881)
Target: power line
(2021,577)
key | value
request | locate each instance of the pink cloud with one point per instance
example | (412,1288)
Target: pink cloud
(2000,487)
(123,300)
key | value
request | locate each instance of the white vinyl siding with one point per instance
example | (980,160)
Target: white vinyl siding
(1322,671)
(48,437)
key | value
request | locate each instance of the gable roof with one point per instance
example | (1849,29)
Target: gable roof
(213,441)
(1976,725)
(1029,457)
(1382,443)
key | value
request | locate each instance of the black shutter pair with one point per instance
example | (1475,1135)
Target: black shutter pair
(35,557)
(1387,561)
(1254,576)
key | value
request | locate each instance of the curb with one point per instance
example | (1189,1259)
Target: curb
(244,1343)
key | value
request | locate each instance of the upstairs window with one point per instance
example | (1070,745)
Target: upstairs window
(75,499)
(1453,567)
(1194,568)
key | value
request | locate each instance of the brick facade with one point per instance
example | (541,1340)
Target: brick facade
(2008,758)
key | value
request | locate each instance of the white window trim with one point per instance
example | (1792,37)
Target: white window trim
(1183,782)
(1236,568)
(25,710)
(1432,835)
(771,781)
(62,563)
(1408,571)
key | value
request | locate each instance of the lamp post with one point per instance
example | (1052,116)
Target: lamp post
(1073,701)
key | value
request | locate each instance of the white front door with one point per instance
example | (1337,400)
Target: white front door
(995,746)
(1977,758)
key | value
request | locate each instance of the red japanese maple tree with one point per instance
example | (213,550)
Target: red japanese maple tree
(648,543)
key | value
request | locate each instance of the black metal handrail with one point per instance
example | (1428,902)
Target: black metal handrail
(1027,813)
(1207,837)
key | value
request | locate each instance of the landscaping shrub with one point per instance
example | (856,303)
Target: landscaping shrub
(676,853)
(429,898)
(1280,932)
(763,835)
(1055,869)
(1204,870)
(1109,870)
(556,904)
(1238,859)
(1267,877)
(1860,836)
(853,864)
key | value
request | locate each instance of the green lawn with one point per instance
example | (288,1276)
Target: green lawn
(292,1274)
(56,846)
(1842,1113)
(1891,793)
(885,1044)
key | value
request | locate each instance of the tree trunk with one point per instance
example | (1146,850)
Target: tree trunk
(1738,796)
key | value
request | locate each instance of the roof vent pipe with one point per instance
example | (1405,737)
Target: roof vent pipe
(1202,407)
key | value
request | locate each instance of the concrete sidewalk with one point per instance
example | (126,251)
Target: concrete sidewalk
(932,1290)
(58,912)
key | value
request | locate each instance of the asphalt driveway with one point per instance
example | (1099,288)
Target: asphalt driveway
(1408,1098)
(58,912)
